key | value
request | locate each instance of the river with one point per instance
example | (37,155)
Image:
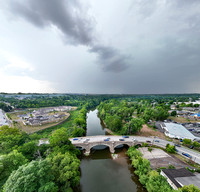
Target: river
(100,172)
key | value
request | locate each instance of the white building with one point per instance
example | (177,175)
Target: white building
(3,119)
(174,130)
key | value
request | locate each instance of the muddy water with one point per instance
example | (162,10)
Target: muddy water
(100,172)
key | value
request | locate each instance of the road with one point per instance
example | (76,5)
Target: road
(162,143)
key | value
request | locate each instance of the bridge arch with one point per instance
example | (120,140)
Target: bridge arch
(101,144)
(124,144)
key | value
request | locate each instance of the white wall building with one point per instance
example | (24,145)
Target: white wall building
(3,119)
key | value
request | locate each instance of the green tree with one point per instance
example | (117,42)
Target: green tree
(173,113)
(187,141)
(113,122)
(9,163)
(78,132)
(196,144)
(11,138)
(65,168)
(170,148)
(134,125)
(35,176)
(160,114)
(59,138)
(189,188)
(133,153)
(157,183)
(28,149)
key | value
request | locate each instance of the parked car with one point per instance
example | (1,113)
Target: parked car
(177,145)
(148,141)
(75,139)
(121,139)
(157,141)
(187,155)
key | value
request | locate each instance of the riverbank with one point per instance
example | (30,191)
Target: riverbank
(100,171)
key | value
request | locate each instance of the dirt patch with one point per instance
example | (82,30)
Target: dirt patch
(146,132)
(184,120)
(159,158)
(165,162)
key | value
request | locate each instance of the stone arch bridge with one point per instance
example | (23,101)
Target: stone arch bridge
(89,142)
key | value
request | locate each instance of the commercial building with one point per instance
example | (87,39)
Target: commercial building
(177,178)
(174,130)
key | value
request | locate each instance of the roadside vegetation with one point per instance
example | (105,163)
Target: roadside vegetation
(151,179)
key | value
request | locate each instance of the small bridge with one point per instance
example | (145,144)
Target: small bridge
(89,142)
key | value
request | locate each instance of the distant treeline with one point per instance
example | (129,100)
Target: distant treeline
(22,101)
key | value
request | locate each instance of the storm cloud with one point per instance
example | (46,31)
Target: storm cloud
(110,58)
(77,26)
(130,46)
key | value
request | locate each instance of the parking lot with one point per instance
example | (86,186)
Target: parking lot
(160,158)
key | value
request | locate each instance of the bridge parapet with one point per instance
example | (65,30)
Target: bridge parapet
(111,144)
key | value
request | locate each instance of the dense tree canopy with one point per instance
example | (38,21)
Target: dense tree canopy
(35,176)
(11,138)
(9,163)
(65,168)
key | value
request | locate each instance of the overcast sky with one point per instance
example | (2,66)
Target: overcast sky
(100,46)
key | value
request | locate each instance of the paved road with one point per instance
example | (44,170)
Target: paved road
(162,143)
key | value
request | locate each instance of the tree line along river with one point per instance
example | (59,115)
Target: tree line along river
(100,172)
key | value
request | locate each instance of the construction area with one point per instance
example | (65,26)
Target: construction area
(33,120)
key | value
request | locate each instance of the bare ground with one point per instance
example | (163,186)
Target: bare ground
(147,132)
(159,158)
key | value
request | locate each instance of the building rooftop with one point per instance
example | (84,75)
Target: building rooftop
(172,174)
(178,131)
(195,180)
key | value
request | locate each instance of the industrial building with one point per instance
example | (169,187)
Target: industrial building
(177,178)
(175,130)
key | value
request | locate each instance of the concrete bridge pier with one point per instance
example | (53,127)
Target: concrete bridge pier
(87,150)
(111,147)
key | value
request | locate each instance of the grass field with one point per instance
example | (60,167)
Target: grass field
(183,120)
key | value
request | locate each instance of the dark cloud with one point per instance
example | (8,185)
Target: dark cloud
(110,58)
(73,21)
(68,16)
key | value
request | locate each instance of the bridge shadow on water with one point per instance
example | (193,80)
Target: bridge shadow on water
(101,172)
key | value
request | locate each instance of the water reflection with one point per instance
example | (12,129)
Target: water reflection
(94,124)
(100,172)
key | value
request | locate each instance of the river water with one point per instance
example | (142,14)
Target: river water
(100,172)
